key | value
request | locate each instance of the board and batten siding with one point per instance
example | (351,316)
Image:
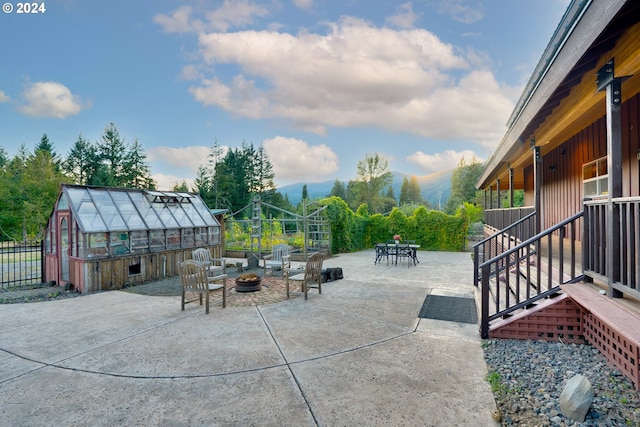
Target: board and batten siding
(562,192)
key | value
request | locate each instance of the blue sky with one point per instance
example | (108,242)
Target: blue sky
(320,83)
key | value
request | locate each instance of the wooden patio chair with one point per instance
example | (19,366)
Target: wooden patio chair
(280,257)
(195,279)
(215,266)
(311,278)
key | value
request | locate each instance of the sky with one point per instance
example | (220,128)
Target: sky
(319,83)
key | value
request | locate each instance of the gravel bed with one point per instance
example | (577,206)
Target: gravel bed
(527,378)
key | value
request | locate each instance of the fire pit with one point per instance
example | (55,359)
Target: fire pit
(248,283)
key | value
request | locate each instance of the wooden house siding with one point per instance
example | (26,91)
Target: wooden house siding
(562,186)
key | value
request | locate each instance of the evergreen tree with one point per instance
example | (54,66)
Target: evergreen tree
(112,151)
(136,172)
(339,190)
(181,188)
(415,194)
(46,146)
(81,162)
(404,192)
(305,192)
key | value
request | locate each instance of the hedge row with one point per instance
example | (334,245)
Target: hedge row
(432,230)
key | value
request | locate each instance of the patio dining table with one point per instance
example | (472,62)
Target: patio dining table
(396,249)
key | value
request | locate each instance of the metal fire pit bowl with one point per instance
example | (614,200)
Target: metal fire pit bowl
(243,285)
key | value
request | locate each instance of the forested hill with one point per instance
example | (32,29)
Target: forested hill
(435,188)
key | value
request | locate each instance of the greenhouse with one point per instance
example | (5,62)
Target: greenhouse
(101,238)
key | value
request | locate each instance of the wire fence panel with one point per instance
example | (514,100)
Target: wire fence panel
(21,263)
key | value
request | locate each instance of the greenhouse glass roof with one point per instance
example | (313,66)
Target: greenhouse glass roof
(100,209)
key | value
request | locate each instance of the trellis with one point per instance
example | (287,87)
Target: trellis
(311,228)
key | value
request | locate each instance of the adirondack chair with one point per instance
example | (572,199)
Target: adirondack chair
(215,266)
(280,257)
(310,278)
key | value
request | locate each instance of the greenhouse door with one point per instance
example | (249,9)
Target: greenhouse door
(64,247)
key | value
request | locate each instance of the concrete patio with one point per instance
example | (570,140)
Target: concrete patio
(355,355)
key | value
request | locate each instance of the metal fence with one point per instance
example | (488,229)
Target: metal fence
(21,263)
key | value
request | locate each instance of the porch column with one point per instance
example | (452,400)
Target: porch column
(613,86)
(499,205)
(510,187)
(537,184)
(490,197)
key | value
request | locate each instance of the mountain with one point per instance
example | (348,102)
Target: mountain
(435,188)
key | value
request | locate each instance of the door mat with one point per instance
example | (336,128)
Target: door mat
(452,309)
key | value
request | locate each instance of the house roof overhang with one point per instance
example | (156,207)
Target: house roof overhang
(560,98)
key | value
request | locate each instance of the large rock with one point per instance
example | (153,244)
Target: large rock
(576,398)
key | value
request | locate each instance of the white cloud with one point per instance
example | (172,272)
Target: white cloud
(186,159)
(355,75)
(465,11)
(295,160)
(232,13)
(303,4)
(167,182)
(4,97)
(50,99)
(405,18)
(448,159)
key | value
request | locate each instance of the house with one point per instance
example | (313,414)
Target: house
(100,238)
(565,267)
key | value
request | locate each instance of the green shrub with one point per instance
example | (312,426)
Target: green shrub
(432,230)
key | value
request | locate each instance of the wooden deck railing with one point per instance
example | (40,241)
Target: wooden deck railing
(625,233)
(543,260)
(500,219)
(517,231)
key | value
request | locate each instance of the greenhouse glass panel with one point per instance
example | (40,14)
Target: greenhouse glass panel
(156,240)
(201,236)
(173,238)
(139,241)
(187,238)
(128,210)
(194,215)
(63,203)
(50,237)
(79,241)
(119,243)
(96,244)
(86,213)
(180,215)
(108,210)
(165,215)
(147,213)
(204,211)
(214,235)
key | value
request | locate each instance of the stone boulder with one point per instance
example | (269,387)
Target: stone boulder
(576,398)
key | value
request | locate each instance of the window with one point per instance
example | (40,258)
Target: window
(96,245)
(595,178)
(50,239)
(139,241)
(187,238)
(173,238)
(119,243)
(201,236)
(156,240)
